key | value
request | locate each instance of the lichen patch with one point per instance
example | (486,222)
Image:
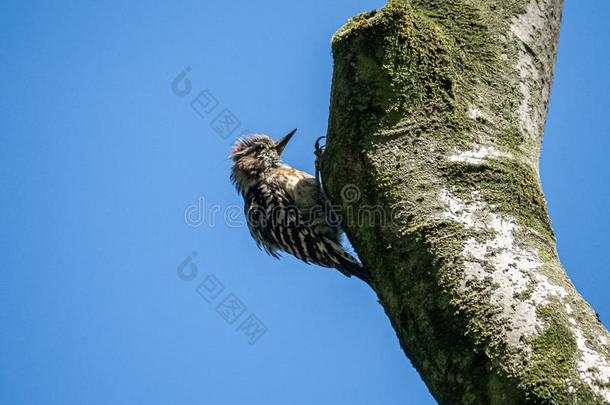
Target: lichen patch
(477,156)
(512,268)
(593,367)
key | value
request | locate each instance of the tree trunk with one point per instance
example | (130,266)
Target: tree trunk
(436,121)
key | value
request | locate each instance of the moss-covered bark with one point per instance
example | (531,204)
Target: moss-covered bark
(437,113)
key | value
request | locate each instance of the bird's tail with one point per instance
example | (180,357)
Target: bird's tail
(352,268)
(346,263)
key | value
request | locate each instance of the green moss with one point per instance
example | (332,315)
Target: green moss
(425,61)
(510,186)
(552,376)
(529,290)
(405,79)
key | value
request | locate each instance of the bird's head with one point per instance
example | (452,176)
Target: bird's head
(253,155)
(258,153)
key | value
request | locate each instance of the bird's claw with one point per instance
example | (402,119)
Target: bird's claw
(319,151)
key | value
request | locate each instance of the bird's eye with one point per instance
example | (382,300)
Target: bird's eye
(253,149)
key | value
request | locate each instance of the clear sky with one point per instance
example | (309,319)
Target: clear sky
(101,158)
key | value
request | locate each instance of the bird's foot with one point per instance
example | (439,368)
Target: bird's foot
(328,209)
(319,152)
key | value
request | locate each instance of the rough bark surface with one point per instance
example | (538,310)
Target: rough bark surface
(436,121)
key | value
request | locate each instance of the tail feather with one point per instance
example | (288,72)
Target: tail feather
(346,263)
(351,268)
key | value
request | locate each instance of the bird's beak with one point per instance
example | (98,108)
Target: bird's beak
(281,144)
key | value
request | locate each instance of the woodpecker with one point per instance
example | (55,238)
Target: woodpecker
(286,209)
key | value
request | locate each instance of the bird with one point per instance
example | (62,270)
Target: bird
(286,209)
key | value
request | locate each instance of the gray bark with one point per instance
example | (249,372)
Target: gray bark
(436,121)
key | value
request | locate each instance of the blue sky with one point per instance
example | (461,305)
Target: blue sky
(100,160)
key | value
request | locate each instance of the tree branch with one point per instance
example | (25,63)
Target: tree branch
(437,114)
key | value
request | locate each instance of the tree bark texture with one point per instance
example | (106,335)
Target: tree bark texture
(436,121)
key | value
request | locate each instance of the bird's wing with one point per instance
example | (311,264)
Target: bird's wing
(300,186)
(276,223)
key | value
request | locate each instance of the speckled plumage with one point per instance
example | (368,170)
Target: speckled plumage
(285,208)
